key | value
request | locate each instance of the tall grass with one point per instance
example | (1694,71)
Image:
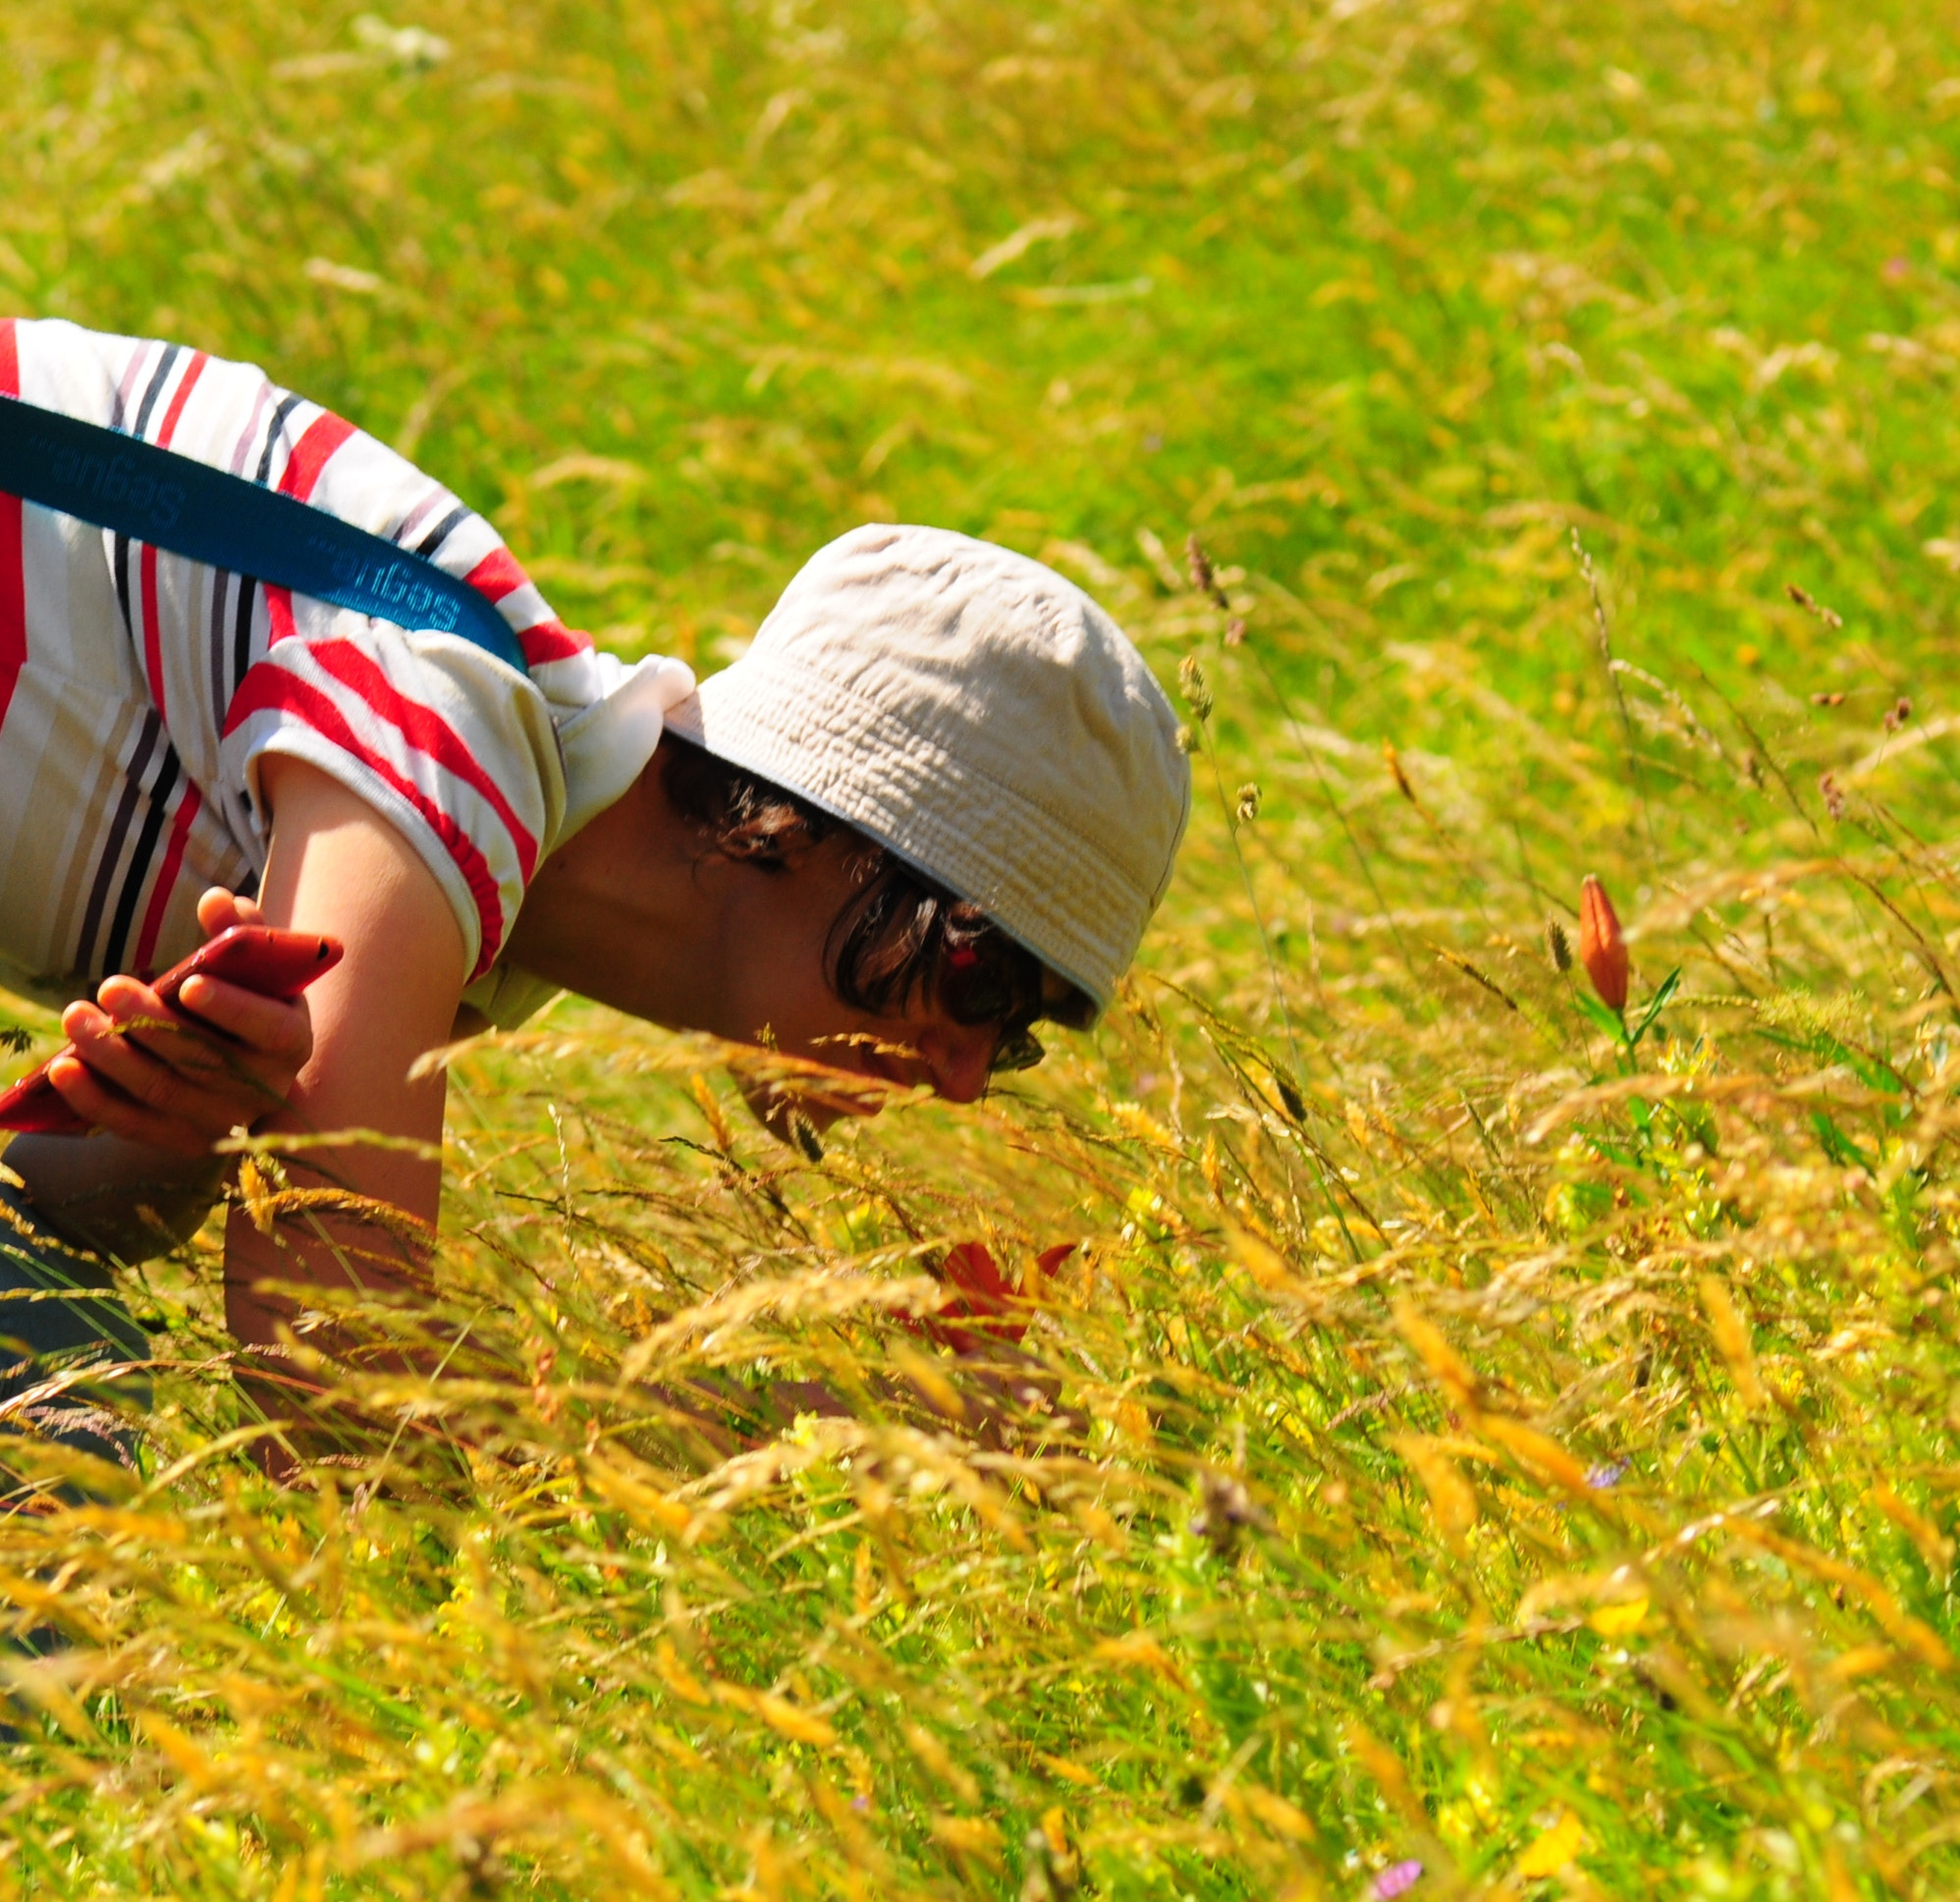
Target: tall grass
(1463,1437)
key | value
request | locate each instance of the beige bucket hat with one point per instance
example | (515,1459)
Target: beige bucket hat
(980,716)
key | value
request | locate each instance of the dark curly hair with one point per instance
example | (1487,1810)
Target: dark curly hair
(901,938)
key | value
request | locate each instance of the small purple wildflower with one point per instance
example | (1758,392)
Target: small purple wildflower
(1399,1878)
(861,1803)
(1896,268)
(1603,1478)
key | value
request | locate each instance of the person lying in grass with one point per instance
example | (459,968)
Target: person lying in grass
(934,804)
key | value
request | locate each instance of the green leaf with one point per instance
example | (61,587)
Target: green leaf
(1656,1005)
(1874,1075)
(1602,1016)
(1840,1147)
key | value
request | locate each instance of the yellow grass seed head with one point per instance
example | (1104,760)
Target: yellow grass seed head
(1731,1338)
(1196,689)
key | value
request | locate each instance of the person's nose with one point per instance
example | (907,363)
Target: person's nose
(957,1057)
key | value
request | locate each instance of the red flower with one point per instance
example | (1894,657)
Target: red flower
(1602,947)
(984,1296)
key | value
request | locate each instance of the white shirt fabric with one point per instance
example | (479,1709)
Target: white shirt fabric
(139,691)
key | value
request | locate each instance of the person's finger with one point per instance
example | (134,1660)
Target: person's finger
(267,1027)
(150,1024)
(182,1110)
(82,1016)
(194,1076)
(268,1034)
(219,910)
(102,1106)
(103,1041)
(129,1000)
(174,1072)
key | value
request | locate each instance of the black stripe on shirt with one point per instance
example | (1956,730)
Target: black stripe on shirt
(136,876)
(247,600)
(286,405)
(122,568)
(442,531)
(161,376)
(241,638)
(221,579)
(112,848)
(117,412)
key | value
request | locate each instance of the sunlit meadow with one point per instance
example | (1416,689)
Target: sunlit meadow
(1470,1450)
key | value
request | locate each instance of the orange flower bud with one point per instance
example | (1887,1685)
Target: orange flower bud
(1602,947)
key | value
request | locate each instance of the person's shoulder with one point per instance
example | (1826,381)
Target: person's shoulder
(60,337)
(62,366)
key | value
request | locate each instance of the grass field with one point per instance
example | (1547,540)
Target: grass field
(1489,1456)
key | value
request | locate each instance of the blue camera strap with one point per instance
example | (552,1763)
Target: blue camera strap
(176,502)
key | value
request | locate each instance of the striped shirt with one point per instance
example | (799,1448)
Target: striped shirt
(138,691)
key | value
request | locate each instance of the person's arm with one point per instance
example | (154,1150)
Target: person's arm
(337,867)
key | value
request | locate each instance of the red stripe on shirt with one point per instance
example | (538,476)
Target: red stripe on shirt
(176,409)
(279,611)
(552,640)
(325,434)
(12,568)
(166,877)
(497,575)
(269,689)
(152,614)
(428,733)
(152,627)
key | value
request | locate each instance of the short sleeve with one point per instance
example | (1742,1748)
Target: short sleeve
(465,757)
(454,748)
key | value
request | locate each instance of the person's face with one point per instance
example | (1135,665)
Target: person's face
(775,991)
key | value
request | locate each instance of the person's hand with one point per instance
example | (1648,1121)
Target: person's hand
(171,1083)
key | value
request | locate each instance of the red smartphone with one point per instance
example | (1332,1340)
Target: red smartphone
(256,957)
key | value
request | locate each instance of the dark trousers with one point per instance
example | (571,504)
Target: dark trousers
(60,1319)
